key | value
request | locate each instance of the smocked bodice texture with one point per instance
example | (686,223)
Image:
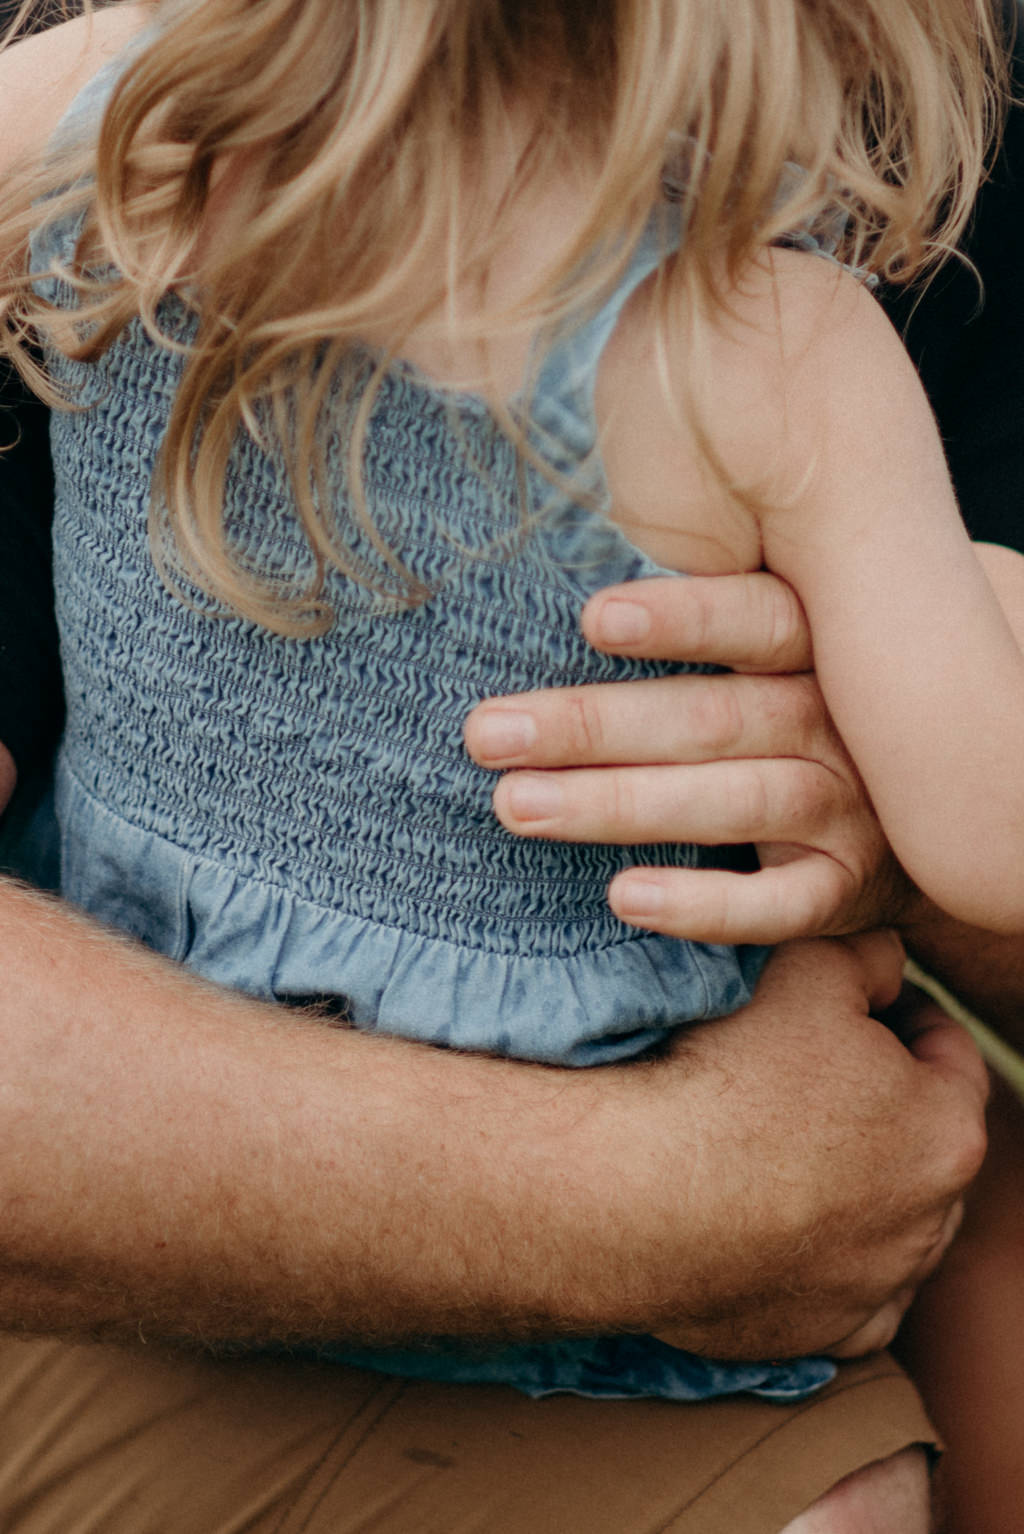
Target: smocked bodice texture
(299,818)
(319,789)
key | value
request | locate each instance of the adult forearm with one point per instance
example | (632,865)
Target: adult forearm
(181,1160)
(223,1168)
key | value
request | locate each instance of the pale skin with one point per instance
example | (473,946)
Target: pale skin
(941,1071)
(261,1195)
(827,865)
(916,660)
(265,1196)
(855,511)
(191,1270)
(862,523)
(963,1341)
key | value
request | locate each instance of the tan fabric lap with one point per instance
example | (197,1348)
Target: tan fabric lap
(108,1441)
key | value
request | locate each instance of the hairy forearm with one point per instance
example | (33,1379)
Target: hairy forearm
(186,1162)
(222,1168)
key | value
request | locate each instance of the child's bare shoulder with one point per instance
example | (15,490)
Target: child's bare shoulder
(40,76)
(818,323)
(799,359)
(796,338)
(750,381)
(797,294)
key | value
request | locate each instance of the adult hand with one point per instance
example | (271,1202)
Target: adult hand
(202,1164)
(831,1153)
(750,756)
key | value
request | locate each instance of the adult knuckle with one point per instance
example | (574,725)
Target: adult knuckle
(824,897)
(701,618)
(783,623)
(967,1150)
(750,804)
(715,716)
(811,797)
(584,725)
(806,714)
(620,801)
(954,1159)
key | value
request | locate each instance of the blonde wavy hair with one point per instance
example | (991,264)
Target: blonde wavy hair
(353,130)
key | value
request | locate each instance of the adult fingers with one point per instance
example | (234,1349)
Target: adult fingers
(809,894)
(689,718)
(945,1045)
(780,799)
(750,622)
(940,1246)
(877,1333)
(937,1040)
(945,1049)
(708,759)
(880,1329)
(881,956)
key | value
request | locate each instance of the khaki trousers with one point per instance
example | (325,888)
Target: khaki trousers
(101,1440)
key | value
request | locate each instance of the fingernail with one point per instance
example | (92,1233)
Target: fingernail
(535,797)
(621,622)
(501,734)
(639,899)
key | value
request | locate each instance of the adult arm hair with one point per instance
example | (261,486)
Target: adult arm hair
(186,1162)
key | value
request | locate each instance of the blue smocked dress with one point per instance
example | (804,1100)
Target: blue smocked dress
(298,818)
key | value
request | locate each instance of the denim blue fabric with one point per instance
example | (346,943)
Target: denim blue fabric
(299,818)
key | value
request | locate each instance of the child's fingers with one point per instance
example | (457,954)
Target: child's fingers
(797,899)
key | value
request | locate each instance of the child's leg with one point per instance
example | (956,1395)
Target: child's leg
(964,1342)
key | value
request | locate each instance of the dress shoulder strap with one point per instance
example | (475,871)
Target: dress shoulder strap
(563,397)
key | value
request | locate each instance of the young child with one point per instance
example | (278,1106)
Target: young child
(391,333)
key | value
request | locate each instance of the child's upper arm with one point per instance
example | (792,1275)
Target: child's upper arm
(920,670)
(41,75)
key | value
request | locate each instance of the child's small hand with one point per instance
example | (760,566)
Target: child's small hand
(749,756)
